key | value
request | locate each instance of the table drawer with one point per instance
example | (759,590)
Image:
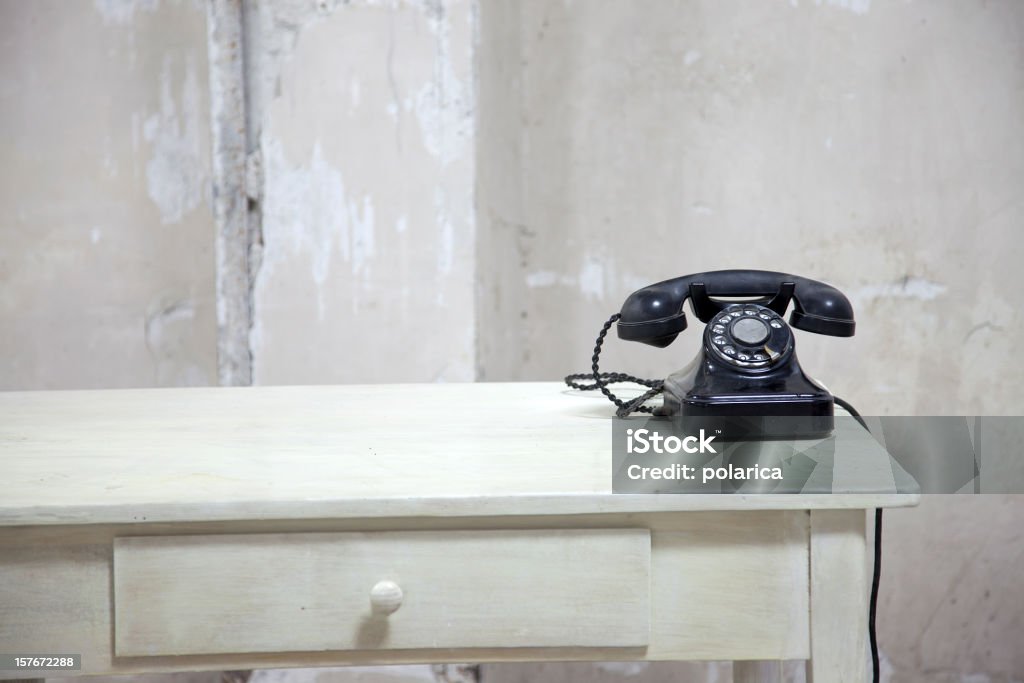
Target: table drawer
(332,591)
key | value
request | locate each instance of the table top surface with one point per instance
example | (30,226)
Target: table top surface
(257,453)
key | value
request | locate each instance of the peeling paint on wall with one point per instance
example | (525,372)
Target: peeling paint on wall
(122,12)
(165,332)
(446,238)
(854,6)
(444,105)
(310,214)
(368,191)
(907,288)
(176,175)
(592,278)
(546,278)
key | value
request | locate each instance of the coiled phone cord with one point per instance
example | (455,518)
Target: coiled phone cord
(601,380)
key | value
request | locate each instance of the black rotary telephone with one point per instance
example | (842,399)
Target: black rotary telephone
(747,365)
(746,377)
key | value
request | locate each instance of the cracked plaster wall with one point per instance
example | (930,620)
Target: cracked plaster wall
(106,239)
(363,113)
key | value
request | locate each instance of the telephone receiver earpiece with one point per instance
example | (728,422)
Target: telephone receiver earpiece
(654,315)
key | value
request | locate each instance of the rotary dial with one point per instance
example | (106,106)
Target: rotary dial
(748,336)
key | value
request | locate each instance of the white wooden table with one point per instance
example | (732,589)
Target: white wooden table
(206,529)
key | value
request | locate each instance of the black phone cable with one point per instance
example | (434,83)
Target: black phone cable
(603,379)
(876,573)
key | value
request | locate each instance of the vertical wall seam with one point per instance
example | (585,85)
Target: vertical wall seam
(251,42)
(254,234)
(230,200)
(476,207)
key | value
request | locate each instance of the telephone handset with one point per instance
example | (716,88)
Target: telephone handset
(654,315)
(747,365)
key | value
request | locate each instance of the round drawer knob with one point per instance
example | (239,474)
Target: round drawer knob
(386,597)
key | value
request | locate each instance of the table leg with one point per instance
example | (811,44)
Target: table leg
(757,672)
(839,597)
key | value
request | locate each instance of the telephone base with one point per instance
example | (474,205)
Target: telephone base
(783,404)
(749,427)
